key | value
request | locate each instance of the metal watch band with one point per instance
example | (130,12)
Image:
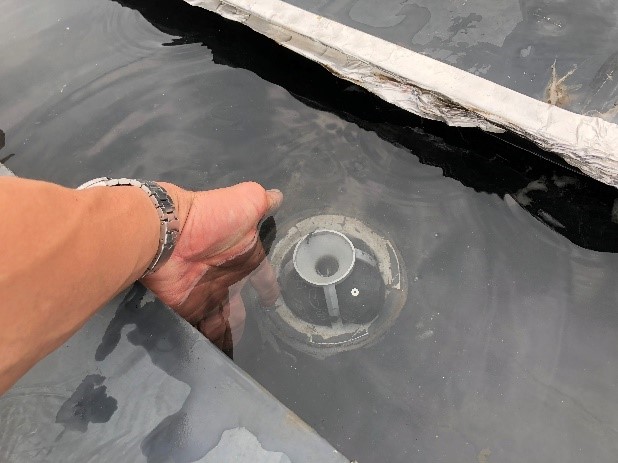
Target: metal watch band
(170,226)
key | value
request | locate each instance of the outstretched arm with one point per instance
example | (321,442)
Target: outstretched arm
(64,253)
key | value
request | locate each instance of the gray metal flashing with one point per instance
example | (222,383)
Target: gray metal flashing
(142,384)
(428,87)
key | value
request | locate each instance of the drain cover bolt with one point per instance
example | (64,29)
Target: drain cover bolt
(354,292)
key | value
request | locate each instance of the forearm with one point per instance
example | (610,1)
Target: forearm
(64,254)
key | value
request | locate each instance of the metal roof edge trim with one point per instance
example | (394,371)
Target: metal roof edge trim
(430,88)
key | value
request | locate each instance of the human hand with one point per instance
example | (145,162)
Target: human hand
(218,247)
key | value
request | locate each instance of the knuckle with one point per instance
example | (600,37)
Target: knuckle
(256,194)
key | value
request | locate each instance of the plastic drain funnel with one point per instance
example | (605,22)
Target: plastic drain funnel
(350,286)
(324,257)
(342,285)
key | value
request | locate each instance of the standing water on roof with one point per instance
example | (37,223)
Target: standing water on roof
(465,309)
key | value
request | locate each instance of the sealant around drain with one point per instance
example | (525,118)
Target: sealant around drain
(342,285)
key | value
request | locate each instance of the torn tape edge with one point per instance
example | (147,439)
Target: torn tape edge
(428,87)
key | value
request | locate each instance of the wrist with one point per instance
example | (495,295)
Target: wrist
(141,222)
(165,208)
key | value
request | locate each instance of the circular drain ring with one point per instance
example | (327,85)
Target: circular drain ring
(323,341)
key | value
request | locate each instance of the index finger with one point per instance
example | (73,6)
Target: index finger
(264,281)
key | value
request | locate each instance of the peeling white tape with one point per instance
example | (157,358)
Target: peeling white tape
(430,88)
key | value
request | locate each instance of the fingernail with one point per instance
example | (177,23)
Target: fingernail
(275,198)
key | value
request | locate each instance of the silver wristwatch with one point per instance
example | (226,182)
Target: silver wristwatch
(170,226)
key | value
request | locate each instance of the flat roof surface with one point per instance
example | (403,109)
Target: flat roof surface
(505,348)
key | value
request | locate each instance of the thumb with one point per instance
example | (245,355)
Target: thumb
(264,202)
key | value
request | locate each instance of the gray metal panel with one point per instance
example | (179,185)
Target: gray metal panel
(137,383)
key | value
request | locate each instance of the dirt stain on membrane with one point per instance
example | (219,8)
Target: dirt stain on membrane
(88,404)
(484,456)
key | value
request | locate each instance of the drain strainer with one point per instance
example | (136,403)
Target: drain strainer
(342,285)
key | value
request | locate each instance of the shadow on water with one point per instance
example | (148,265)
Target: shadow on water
(573,205)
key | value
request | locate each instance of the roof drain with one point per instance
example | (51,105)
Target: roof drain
(342,286)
